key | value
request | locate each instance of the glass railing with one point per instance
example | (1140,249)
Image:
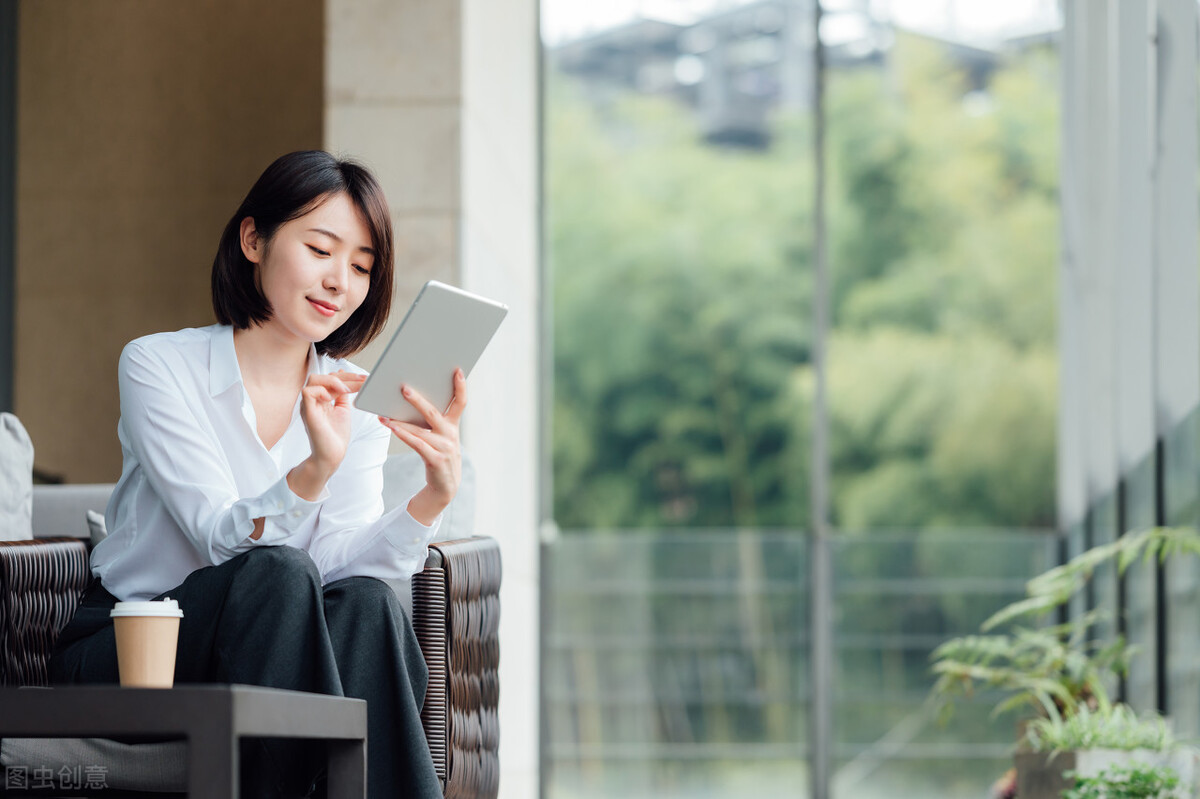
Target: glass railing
(675,664)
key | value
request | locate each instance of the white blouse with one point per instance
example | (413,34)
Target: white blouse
(196,476)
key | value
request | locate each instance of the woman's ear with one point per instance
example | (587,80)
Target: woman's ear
(252,243)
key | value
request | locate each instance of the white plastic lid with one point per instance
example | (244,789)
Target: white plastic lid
(163,607)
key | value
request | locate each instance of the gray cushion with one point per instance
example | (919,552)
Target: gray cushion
(74,761)
(97,527)
(61,510)
(16,480)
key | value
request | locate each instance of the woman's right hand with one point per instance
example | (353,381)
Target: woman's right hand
(326,412)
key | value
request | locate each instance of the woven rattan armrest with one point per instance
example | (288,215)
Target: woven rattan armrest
(456,614)
(40,584)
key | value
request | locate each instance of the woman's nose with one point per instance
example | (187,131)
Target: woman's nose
(337,276)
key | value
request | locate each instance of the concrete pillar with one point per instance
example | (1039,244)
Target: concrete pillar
(1130,307)
(393,100)
(439,97)
(1177,300)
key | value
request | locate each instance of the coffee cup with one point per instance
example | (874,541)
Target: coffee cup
(147,634)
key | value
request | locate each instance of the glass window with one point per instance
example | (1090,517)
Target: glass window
(1102,592)
(1141,591)
(674,664)
(1182,576)
(1182,481)
(900,595)
(944,242)
(679,190)
(678,193)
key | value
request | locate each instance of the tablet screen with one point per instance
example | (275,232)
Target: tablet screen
(445,328)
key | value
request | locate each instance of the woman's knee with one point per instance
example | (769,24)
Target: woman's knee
(277,574)
(360,602)
(279,563)
(362,592)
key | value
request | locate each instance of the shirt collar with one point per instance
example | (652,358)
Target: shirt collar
(223,370)
(316,364)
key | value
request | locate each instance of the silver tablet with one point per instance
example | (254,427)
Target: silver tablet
(445,328)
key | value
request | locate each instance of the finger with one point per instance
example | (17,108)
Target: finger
(325,380)
(424,407)
(436,440)
(332,383)
(419,445)
(459,403)
(352,379)
(317,394)
(442,445)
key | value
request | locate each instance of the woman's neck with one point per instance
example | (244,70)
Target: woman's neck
(266,359)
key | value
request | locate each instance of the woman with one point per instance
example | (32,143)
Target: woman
(251,486)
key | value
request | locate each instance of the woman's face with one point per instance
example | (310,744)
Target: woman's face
(315,271)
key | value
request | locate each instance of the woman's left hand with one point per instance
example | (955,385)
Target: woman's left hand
(438,446)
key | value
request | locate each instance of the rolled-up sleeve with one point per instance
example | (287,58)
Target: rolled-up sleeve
(282,511)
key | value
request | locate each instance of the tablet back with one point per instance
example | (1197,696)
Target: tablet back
(444,328)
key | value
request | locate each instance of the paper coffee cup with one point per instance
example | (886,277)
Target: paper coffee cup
(147,634)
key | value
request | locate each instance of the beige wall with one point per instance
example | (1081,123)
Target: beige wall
(141,124)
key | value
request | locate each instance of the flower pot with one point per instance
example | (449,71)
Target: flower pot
(1041,775)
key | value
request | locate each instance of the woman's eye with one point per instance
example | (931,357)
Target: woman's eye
(362,270)
(319,251)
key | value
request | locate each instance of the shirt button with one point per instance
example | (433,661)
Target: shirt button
(416,540)
(296,514)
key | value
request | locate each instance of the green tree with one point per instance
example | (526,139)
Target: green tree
(682,299)
(942,365)
(682,294)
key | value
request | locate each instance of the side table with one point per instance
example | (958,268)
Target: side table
(211,717)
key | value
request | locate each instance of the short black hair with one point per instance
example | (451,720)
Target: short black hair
(291,186)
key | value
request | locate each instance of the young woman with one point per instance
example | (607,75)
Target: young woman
(251,486)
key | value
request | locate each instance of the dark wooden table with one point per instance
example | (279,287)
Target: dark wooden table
(210,717)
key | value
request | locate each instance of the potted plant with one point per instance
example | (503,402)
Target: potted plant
(1058,672)
(1135,781)
(1060,751)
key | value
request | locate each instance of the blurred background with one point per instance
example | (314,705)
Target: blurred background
(681,214)
(833,323)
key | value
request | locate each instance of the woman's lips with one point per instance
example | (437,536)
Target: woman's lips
(323,307)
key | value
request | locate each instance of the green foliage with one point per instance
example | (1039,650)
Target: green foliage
(1054,670)
(953,431)
(1055,587)
(1135,781)
(1057,670)
(674,339)
(1108,727)
(682,294)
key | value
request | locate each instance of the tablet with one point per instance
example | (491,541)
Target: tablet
(445,328)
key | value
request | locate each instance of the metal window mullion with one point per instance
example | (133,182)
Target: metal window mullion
(821,650)
(547,529)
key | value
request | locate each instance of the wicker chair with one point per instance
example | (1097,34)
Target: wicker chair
(455,614)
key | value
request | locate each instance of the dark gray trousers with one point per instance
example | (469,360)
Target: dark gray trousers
(263,618)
